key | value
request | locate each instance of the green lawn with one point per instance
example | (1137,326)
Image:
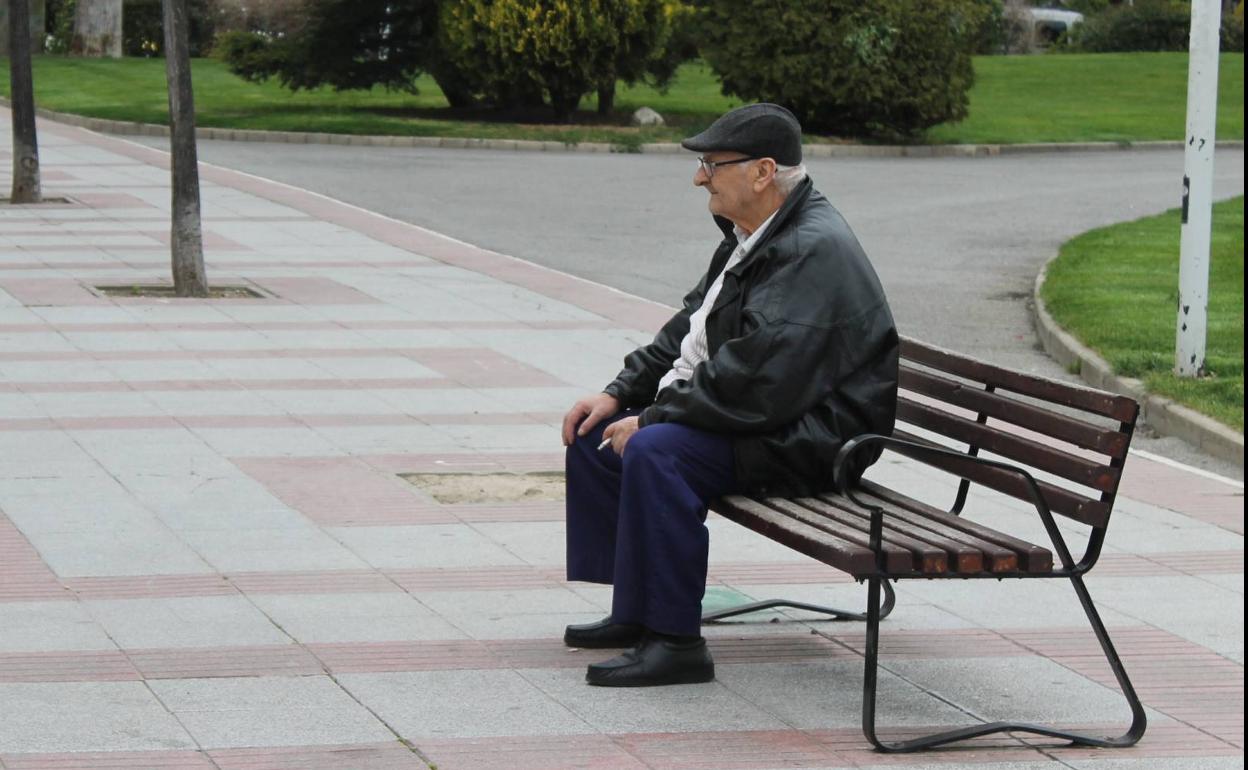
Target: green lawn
(1116,289)
(1086,97)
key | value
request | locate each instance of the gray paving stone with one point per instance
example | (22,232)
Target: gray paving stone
(428,545)
(254,549)
(688,708)
(279,442)
(135,550)
(1010,604)
(355,617)
(201,621)
(448,400)
(909,613)
(988,688)
(825,695)
(536,542)
(42,626)
(269,711)
(86,716)
(731,542)
(385,440)
(503,438)
(1186,606)
(1169,763)
(463,704)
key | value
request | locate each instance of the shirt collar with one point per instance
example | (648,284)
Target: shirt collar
(744,244)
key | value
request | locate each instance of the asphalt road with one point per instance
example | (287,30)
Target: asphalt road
(957,241)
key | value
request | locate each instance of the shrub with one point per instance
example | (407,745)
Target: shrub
(142,27)
(886,69)
(346,44)
(1148,25)
(513,52)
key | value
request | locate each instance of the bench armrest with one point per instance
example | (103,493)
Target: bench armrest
(846,487)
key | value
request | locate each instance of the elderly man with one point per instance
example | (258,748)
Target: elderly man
(784,350)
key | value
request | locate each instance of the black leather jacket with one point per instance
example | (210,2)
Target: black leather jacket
(803,352)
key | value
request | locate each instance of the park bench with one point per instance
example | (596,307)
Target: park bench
(1057,446)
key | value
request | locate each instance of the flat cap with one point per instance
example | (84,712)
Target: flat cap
(759,130)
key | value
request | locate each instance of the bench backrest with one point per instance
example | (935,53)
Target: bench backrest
(1075,433)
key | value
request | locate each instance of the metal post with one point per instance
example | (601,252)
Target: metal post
(1202,109)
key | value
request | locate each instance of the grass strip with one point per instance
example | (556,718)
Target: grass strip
(1016,99)
(1116,289)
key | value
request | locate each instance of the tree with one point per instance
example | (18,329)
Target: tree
(37,11)
(186,237)
(346,44)
(26,180)
(887,69)
(97,28)
(562,48)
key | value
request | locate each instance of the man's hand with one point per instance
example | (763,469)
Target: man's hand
(620,432)
(589,411)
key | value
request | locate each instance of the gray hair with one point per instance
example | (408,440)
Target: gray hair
(788,177)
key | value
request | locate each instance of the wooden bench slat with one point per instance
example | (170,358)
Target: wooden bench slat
(849,557)
(1120,408)
(1112,443)
(1094,513)
(922,557)
(1098,476)
(964,556)
(993,557)
(1031,557)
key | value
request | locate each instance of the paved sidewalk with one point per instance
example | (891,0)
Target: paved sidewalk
(208,558)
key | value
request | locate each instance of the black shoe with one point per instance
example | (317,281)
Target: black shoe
(603,634)
(656,661)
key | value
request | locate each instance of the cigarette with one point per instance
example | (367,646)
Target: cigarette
(606,442)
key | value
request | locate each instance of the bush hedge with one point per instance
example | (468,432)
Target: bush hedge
(1147,25)
(515,52)
(886,69)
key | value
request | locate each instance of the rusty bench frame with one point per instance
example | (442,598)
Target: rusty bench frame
(766,515)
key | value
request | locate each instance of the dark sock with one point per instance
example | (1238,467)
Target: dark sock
(677,638)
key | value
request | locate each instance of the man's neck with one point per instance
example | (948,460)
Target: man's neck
(757,215)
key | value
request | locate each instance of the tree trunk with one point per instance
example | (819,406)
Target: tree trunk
(186,240)
(97,28)
(26,186)
(38,23)
(606,98)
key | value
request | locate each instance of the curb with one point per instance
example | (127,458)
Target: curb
(128,128)
(1163,415)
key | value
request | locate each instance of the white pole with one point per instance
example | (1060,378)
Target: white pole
(1202,109)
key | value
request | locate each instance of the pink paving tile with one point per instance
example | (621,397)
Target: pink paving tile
(497,462)
(213,241)
(316,291)
(94,666)
(368,756)
(214,662)
(483,368)
(1168,487)
(728,750)
(111,200)
(327,582)
(341,491)
(477,578)
(23,574)
(513,752)
(110,760)
(149,586)
(40,292)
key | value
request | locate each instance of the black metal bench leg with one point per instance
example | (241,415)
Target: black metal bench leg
(1129,738)
(890,600)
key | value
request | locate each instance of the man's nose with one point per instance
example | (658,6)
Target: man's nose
(700,177)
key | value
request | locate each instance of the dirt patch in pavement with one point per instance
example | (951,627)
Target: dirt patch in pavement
(451,488)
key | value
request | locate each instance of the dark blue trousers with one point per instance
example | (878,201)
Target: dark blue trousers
(638,522)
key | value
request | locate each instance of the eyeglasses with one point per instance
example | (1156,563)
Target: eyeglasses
(709,166)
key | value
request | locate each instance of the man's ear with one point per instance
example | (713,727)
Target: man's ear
(765,171)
